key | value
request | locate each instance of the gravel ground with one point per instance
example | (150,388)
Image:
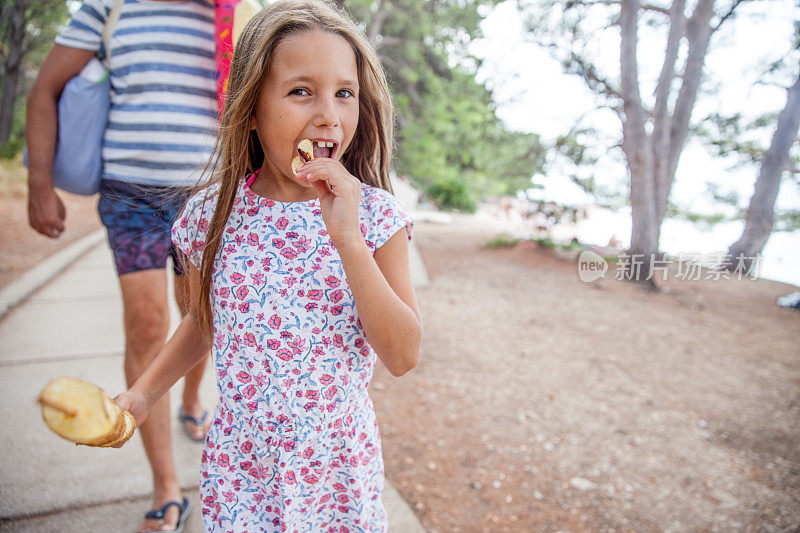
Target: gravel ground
(542,403)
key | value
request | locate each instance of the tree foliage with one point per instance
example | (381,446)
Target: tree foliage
(450,141)
(27,30)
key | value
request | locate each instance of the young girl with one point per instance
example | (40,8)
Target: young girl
(299,281)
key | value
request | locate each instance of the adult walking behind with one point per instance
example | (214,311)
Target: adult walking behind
(161,129)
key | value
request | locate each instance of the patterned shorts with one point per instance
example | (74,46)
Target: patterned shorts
(139,220)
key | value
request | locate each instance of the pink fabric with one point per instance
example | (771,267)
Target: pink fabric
(252,178)
(223,37)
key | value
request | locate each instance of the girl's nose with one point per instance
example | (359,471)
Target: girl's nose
(326,113)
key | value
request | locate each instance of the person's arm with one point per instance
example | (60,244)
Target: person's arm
(185,349)
(384,296)
(381,285)
(46,212)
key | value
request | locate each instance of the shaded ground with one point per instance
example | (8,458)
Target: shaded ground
(542,403)
(21,248)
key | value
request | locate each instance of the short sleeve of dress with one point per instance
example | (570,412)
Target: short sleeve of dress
(85,28)
(384,217)
(190,228)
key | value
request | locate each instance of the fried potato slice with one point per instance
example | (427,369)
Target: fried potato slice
(129,427)
(80,411)
(112,410)
(296,164)
(306,149)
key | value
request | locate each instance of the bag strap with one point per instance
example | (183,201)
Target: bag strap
(108,27)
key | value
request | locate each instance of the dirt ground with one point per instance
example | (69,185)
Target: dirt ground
(542,403)
(21,248)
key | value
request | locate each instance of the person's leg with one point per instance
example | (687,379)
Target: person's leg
(139,239)
(146,319)
(191,382)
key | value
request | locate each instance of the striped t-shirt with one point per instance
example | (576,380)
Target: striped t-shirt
(163,116)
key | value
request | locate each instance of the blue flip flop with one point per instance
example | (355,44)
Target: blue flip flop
(183,508)
(183,417)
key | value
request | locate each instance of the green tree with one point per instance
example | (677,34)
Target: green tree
(450,141)
(27,29)
(654,128)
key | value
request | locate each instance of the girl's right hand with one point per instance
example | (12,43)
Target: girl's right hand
(135,403)
(339,194)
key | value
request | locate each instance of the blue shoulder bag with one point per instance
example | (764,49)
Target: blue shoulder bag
(82,116)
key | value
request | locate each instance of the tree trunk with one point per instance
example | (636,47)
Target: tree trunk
(662,118)
(653,157)
(375,24)
(8,97)
(742,255)
(698,35)
(638,153)
(644,229)
(11,66)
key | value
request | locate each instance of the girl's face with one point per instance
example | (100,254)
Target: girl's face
(310,92)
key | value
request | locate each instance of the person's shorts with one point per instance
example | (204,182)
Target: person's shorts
(139,221)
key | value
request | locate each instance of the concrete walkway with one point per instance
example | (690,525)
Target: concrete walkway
(72,326)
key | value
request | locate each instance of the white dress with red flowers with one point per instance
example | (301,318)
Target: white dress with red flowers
(294,445)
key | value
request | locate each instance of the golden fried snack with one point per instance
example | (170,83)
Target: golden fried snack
(83,413)
(113,412)
(296,164)
(129,427)
(306,149)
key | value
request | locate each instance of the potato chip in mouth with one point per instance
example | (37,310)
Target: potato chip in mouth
(309,150)
(306,150)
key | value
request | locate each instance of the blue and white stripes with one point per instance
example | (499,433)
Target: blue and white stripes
(163,116)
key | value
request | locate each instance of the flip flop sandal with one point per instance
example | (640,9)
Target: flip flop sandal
(184,418)
(184,510)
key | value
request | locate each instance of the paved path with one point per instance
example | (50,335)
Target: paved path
(73,326)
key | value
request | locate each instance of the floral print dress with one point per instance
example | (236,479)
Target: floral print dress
(294,445)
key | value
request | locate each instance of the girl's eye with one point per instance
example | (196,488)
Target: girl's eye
(300,92)
(345,93)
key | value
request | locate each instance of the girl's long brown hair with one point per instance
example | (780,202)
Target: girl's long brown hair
(238,151)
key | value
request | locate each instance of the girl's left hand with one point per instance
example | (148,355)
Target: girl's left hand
(339,197)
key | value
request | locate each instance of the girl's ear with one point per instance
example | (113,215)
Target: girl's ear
(252,123)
